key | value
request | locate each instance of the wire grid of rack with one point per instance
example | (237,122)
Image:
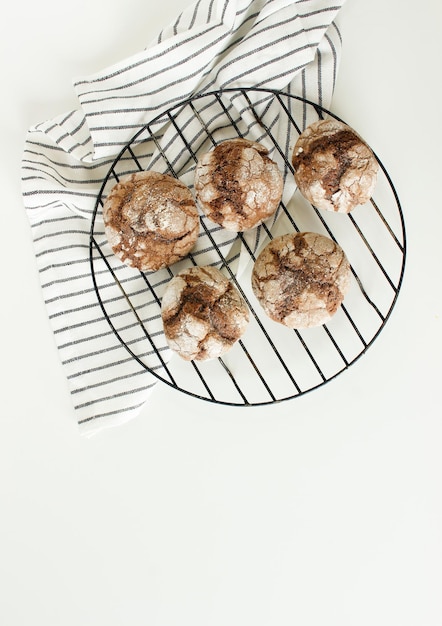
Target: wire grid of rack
(270,363)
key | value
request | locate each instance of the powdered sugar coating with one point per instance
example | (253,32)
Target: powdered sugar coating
(333,167)
(300,279)
(237,185)
(203,314)
(151,220)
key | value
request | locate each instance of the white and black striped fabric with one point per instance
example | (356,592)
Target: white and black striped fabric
(215,44)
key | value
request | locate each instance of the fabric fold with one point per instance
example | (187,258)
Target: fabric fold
(212,45)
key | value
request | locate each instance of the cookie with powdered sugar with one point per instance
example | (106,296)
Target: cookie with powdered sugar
(300,279)
(203,314)
(237,185)
(334,168)
(151,220)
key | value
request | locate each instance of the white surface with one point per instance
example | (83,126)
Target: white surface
(323,510)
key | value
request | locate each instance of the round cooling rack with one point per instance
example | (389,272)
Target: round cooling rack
(270,363)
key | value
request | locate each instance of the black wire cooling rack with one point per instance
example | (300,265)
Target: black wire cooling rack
(270,363)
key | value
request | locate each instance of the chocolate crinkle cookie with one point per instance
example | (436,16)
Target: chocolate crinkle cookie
(237,185)
(334,168)
(300,279)
(150,220)
(203,314)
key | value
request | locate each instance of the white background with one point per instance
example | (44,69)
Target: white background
(325,510)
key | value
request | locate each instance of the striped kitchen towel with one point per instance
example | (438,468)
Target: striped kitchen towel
(213,45)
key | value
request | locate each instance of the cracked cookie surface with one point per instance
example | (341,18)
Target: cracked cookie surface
(203,314)
(150,220)
(300,279)
(333,167)
(237,185)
